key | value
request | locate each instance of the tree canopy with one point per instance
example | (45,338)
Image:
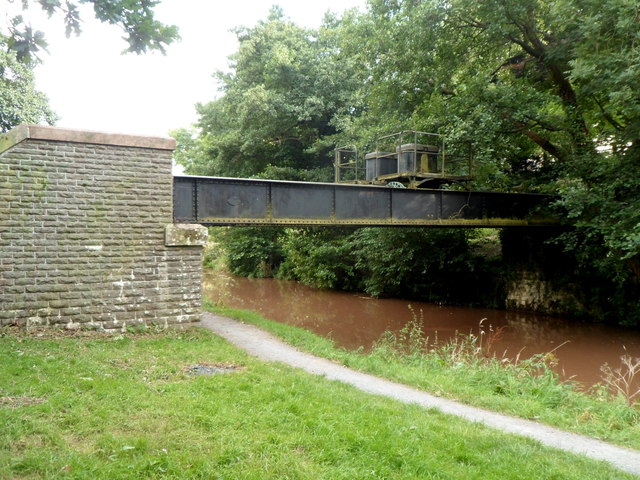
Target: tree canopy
(20,102)
(277,102)
(543,92)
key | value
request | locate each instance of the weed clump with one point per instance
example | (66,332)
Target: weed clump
(624,380)
(473,357)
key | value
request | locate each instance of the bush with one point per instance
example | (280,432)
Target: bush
(428,264)
(414,262)
(252,251)
(318,257)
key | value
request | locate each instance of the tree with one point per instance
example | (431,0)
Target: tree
(544,93)
(277,102)
(19,48)
(582,59)
(507,76)
(20,101)
(189,151)
(136,17)
(603,193)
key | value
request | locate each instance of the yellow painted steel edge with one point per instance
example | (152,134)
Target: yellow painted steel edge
(450,222)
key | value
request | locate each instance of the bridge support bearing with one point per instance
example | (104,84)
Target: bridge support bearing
(185,235)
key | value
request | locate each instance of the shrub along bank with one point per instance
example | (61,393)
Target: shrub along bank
(452,266)
(434,265)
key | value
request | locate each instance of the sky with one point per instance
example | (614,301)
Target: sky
(91,86)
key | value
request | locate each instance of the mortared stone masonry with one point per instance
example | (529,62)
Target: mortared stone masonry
(86,234)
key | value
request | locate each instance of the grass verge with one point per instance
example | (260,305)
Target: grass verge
(129,407)
(527,388)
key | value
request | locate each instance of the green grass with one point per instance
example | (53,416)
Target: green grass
(527,389)
(125,406)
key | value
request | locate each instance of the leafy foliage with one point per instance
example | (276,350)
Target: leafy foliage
(252,251)
(190,152)
(318,257)
(541,90)
(20,101)
(277,105)
(435,265)
(411,262)
(543,93)
(136,18)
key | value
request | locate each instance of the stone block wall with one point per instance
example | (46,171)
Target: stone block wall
(82,232)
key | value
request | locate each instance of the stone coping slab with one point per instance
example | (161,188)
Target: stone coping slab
(56,134)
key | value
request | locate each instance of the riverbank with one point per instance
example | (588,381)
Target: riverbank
(266,347)
(355,321)
(133,406)
(526,389)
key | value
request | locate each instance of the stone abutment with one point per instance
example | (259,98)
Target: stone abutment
(86,233)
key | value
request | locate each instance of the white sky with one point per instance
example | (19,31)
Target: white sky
(92,87)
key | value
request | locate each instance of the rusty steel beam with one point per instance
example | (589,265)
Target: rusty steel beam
(236,201)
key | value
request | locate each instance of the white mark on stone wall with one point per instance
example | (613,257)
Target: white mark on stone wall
(94,248)
(121,284)
(34,321)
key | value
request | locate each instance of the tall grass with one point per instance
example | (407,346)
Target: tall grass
(474,357)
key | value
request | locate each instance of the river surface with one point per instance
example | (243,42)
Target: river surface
(357,321)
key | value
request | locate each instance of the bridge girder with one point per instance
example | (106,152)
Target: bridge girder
(232,201)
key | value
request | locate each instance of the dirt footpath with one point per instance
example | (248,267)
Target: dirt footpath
(268,348)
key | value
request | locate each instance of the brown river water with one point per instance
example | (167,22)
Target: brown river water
(355,320)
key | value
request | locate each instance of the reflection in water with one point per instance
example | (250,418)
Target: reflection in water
(354,321)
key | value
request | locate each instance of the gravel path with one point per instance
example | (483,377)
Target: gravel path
(269,348)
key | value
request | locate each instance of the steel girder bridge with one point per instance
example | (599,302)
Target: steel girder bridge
(233,201)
